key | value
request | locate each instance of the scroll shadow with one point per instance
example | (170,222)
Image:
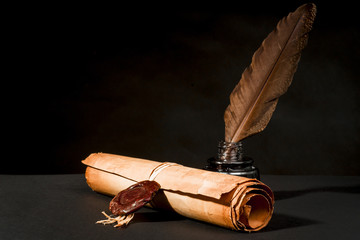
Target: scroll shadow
(278,221)
(157,216)
(281,195)
(282,221)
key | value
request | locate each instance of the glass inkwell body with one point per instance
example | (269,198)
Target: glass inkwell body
(231,160)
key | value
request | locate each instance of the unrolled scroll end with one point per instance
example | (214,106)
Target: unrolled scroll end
(256,212)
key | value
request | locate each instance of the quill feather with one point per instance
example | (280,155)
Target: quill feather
(253,100)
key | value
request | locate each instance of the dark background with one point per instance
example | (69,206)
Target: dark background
(153,82)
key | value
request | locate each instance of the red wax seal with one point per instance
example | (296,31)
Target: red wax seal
(134,197)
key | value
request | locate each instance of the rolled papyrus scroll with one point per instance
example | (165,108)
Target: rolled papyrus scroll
(229,201)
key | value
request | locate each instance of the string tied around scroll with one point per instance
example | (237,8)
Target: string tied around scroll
(159,168)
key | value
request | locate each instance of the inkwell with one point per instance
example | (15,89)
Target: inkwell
(231,160)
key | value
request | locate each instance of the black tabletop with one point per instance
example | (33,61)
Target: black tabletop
(64,207)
